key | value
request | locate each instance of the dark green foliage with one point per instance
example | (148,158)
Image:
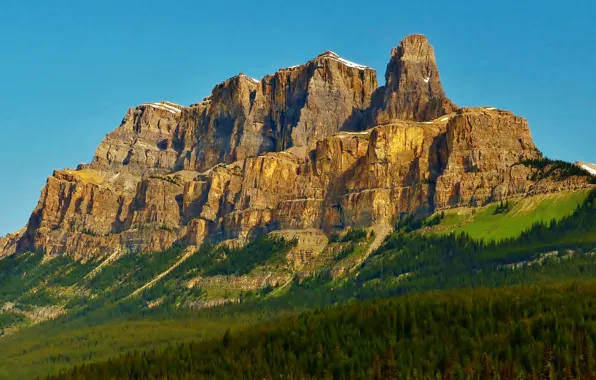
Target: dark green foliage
(8,318)
(407,263)
(345,252)
(21,273)
(354,235)
(502,208)
(38,298)
(412,223)
(239,261)
(132,271)
(490,333)
(210,261)
(334,237)
(557,169)
(455,261)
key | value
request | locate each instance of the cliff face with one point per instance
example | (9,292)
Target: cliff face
(243,117)
(316,147)
(483,148)
(413,88)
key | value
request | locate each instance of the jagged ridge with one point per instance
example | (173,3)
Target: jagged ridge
(312,146)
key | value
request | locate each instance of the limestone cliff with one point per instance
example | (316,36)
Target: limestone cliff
(243,117)
(413,88)
(312,147)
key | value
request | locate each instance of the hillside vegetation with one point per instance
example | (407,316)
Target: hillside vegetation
(105,320)
(518,333)
(512,218)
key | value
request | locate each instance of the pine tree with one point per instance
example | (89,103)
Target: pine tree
(227,338)
(388,369)
(547,363)
(377,369)
(485,374)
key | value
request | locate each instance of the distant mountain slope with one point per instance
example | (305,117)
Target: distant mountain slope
(508,219)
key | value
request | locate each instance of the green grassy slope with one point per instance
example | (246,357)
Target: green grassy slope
(486,224)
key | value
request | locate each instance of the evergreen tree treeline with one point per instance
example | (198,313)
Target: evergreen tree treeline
(509,333)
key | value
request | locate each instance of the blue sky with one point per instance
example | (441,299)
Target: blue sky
(70,69)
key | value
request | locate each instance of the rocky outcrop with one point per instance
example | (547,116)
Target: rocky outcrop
(484,147)
(293,151)
(310,243)
(413,88)
(8,243)
(144,143)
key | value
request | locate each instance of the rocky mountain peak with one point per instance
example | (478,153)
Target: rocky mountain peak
(413,48)
(244,76)
(329,54)
(170,107)
(295,150)
(413,89)
(335,57)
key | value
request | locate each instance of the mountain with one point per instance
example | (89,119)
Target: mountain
(316,146)
(307,188)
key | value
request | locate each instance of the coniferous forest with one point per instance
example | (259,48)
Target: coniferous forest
(508,333)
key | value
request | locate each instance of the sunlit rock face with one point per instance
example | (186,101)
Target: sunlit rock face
(316,147)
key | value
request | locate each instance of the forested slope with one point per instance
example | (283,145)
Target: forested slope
(510,333)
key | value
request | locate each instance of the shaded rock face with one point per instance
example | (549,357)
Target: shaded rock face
(8,243)
(413,89)
(144,143)
(294,151)
(243,117)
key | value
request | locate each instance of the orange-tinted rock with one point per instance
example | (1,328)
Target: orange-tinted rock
(288,152)
(483,148)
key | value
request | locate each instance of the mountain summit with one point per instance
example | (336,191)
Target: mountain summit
(413,89)
(310,151)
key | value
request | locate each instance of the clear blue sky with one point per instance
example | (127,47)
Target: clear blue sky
(70,69)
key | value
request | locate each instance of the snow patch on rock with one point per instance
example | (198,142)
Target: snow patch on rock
(589,169)
(166,106)
(335,57)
